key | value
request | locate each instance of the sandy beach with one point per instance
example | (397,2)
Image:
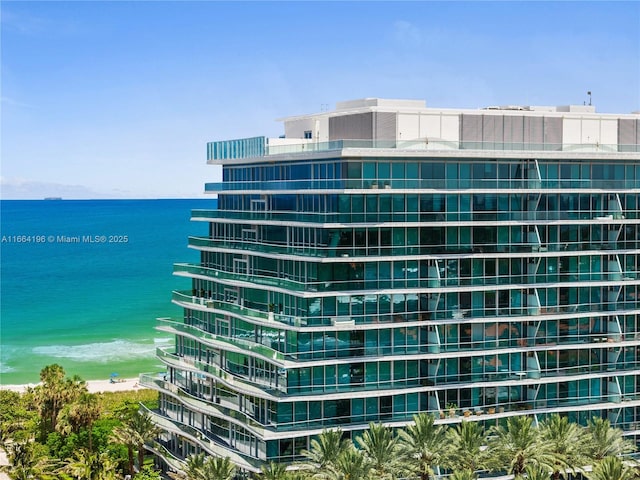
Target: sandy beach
(94,386)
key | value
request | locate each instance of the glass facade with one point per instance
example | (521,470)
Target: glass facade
(338,289)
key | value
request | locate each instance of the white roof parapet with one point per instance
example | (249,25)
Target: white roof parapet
(544,108)
(372,104)
(381,102)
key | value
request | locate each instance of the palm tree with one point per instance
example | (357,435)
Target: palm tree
(351,464)
(424,444)
(602,440)
(86,465)
(380,446)
(144,430)
(218,468)
(535,472)
(53,394)
(273,471)
(123,435)
(465,474)
(519,445)
(80,414)
(612,468)
(202,467)
(195,467)
(325,449)
(565,441)
(466,444)
(24,462)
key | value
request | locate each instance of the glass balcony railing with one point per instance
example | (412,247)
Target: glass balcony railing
(209,443)
(175,463)
(256,147)
(372,285)
(441,316)
(236,382)
(419,184)
(489,217)
(175,327)
(325,251)
(206,404)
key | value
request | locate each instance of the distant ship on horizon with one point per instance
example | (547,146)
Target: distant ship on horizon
(53,198)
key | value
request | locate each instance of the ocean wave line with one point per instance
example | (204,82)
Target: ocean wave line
(101,352)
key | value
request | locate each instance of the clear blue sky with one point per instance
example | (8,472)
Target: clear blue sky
(118,99)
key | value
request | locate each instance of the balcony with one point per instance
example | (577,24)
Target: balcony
(210,406)
(236,344)
(381,186)
(235,382)
(208,444)
(417,217)
(257,147)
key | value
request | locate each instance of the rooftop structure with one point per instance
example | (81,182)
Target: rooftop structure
(385,258)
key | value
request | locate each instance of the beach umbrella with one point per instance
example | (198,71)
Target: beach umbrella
(114,375)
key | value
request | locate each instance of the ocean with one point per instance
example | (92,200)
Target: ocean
(82,282)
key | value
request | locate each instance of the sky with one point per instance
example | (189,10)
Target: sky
(118,99)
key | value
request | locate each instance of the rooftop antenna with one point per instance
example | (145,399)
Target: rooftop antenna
(589,93)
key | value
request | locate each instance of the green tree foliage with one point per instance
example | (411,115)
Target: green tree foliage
(466,443)
(465,474)
(381,447)
(28,460)
(54,392)
(88,465)
(613,468)
(602,440)
(133,434)
(17,420)
(518,446)
(124,436)
(423,444)
(564,439)
(274,471)
(535,472)
(82,413)
(202,467)
(351,464)
(147,473)
(122,405)
(325,449)
(195,466)
(60,420)
(217,468)
(143,430)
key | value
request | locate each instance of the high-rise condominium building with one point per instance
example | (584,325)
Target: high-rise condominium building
(385,258)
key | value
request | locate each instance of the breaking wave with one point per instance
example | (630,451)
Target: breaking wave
(103,352)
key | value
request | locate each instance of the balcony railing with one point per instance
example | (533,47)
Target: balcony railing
(442,316)
(208,405)
(380,186)
(268,353)
(255,147)
(488,217)
(210,445)
(327,251)
(372,285)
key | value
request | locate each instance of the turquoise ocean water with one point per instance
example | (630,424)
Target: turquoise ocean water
(89,306)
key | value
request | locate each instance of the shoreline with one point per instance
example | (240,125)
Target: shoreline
(93,386)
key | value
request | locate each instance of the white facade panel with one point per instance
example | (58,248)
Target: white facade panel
(608,131)
(408,126)
(296,128)
(571,131)
(430,126)
(590,131)
(450,127)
